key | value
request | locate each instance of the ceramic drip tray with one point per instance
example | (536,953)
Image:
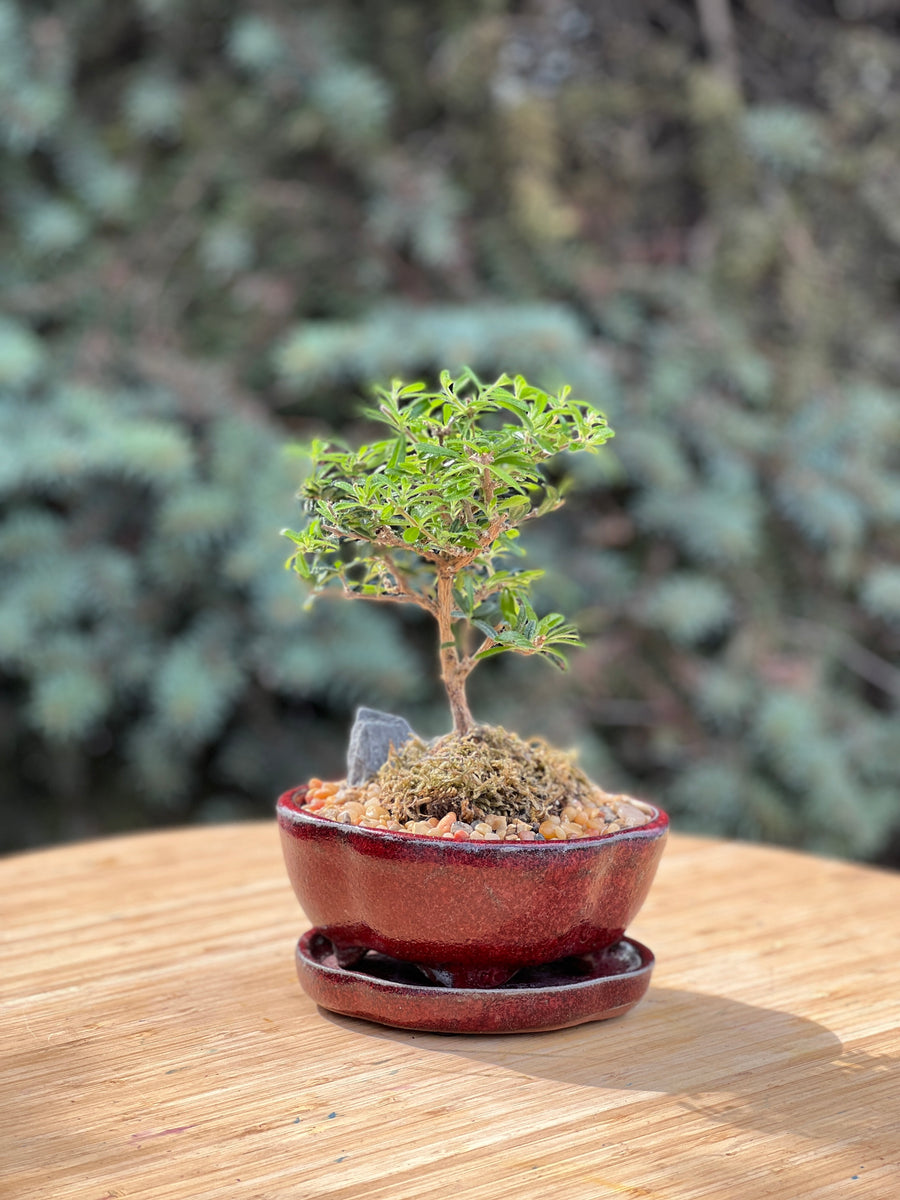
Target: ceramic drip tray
(570,991)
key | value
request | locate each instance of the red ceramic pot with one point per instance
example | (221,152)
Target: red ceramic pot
(470,914)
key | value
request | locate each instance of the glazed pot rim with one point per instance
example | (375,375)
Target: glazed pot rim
(290,811)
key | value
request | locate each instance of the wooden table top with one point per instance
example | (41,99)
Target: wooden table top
(155,1043)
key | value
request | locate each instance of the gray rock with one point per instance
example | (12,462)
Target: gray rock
(371,738)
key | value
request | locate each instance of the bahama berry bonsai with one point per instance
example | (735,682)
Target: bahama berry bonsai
(430,516)
(413,924)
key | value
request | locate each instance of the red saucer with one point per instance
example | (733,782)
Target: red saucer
(570,991)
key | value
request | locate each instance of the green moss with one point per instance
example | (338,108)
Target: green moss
(482,772)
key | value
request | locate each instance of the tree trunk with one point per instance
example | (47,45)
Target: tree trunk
(459,705)
(453,673)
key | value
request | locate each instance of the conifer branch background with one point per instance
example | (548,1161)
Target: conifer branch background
(225,220)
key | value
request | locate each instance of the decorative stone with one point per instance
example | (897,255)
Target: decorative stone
(371,738)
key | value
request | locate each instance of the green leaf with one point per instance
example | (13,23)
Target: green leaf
(398,454)
(491,651)
(555,659)
(509,606)
(488,630)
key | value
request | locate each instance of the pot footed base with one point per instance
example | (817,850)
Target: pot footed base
(571,991)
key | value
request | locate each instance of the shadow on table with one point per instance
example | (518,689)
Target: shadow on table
(727,1061)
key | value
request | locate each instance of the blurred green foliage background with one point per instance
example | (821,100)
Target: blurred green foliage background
(224,220)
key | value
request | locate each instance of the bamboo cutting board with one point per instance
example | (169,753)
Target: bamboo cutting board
(155,1043)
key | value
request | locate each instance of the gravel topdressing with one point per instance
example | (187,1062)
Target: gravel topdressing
(368,808)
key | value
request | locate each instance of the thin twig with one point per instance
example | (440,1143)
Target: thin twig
(406,590)
(348,593)
(470,661)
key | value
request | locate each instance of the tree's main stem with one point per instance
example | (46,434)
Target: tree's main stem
(453,671)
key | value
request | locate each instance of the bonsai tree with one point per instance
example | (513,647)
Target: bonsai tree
(424,516)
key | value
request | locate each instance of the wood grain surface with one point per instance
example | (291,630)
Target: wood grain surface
(155,1043)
